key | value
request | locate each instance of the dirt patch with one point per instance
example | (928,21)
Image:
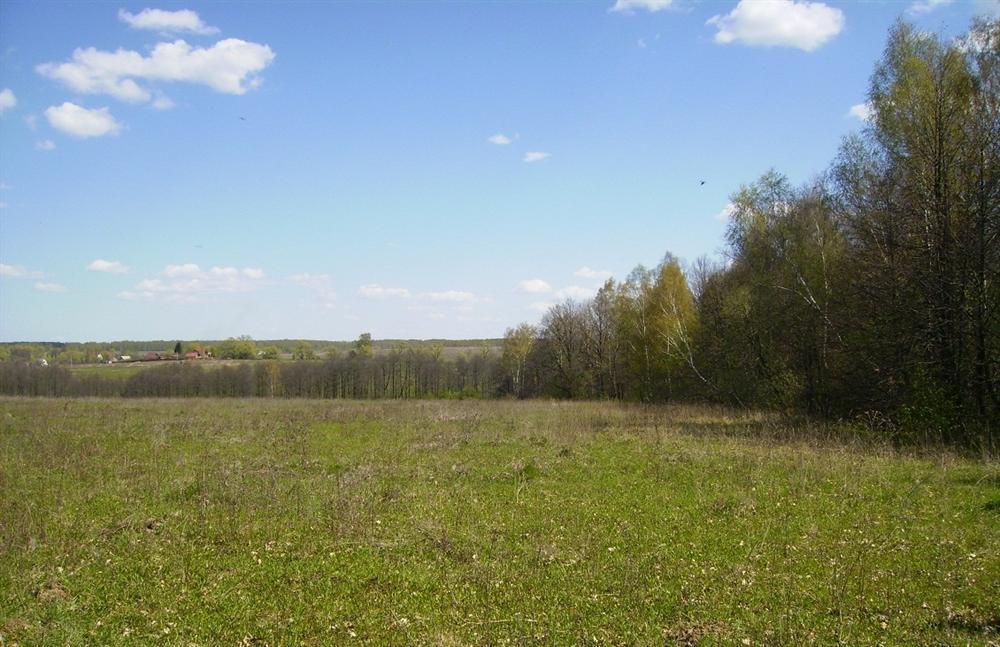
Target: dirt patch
(51,591)
(689,634)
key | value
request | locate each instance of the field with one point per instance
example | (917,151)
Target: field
(205,522)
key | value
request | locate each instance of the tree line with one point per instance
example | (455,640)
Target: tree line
(870,291)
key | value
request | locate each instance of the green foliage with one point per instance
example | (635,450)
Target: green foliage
(236,348)
(363,346)
(303,351)
(480,523)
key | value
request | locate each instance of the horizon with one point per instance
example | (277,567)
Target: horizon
(434,171)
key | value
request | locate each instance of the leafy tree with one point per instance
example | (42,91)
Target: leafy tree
(363,345)
(517,345)
(303,350)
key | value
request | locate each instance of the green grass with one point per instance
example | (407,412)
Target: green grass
(205,522)
(111,371)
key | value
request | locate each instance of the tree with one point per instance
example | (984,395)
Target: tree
(363,345)
(303,350)
(517,345)
(178,349)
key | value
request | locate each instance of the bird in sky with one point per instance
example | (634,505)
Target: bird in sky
(702,183)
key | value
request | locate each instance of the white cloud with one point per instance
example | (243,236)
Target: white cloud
(45,145)
(230,66)
(188,282)
(7,100)
(49,287)
(587,273)
(535,156)
(111,267)
(926,6)
(576,293)
(321,285)
(19,272)
(629,6)
(541,306)
(183,20)
(376,291)
(499,139)
(454,296)
(186,269)
(81,122)
(726,212)
(534,286)
(862,111)
(779,23)
(163,102)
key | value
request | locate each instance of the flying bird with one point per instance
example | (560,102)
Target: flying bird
(243,118)
(702,183)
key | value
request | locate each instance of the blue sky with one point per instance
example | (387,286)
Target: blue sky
(320,169)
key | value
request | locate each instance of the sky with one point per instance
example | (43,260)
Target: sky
(414,170)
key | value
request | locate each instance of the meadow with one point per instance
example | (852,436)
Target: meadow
(279,522)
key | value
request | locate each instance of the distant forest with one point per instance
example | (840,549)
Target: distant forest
(871,292)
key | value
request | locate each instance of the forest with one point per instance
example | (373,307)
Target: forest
(870,292)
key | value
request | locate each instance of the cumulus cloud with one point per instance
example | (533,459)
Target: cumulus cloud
(587,273)
(80,122)
(726,212)
(534,286)
(183,20)
(7,100)
(376,291)
(535,156)
(453,296)
(111,267)
(163,102)
(862,111)
(188,282)
(49,287)
(926,6)
(630,6)
(779,23)
(18,272)
(575,292)
(499,139)
(230,66)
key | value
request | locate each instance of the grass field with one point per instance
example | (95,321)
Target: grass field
(207,522)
